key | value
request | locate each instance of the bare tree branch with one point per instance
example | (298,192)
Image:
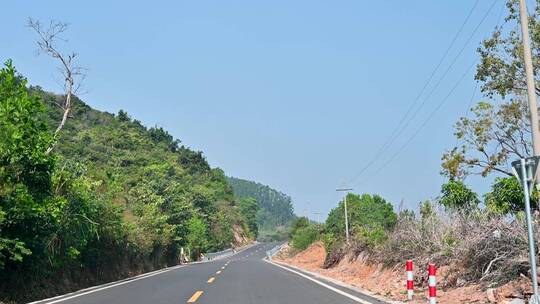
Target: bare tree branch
(72,74)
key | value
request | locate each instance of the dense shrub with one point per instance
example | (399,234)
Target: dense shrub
(305,236)
(370,217)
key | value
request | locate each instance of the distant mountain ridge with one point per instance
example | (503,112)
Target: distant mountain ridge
(275,208)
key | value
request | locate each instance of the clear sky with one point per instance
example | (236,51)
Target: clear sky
(299,95)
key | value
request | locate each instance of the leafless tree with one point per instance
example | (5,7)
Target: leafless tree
(72,74)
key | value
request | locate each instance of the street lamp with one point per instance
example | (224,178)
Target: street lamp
(346,190)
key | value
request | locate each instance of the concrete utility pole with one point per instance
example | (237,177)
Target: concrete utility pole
(531,86)
(346,190)
(318,214)
(533,108)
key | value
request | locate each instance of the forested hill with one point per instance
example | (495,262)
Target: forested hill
(275,208)
(114,198)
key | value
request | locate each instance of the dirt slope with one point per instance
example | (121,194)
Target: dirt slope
(390,283)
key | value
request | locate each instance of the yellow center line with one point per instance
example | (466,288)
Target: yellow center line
(211,280)
(218,272)
(195,296)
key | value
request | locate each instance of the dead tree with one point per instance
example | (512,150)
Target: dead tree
(72,74)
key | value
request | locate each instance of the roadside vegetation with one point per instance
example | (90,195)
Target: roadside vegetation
(481,238)
(112,198)
(275,213)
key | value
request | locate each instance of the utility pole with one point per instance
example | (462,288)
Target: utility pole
(318,214)
(529,72)
(346,190)
(533,110)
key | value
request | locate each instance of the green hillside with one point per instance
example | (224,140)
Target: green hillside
(114,198)
(275,208)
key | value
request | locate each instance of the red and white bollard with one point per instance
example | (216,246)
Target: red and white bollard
(432,284)
(410,282)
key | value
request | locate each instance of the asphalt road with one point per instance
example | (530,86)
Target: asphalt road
(243,278)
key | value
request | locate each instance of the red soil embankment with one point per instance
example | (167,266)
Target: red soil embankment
(390,283)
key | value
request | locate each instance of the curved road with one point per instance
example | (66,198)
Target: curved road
(243,278)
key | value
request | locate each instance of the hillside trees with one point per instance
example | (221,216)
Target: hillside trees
(25,167)
(114,198)
(250,208)
(275,208)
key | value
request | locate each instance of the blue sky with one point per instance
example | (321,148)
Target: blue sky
(298,95)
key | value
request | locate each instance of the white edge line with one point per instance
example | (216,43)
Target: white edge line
(341,292)
(93,289)
(357,289)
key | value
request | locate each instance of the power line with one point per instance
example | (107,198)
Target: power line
(443,101)
(399,128)
(390,139)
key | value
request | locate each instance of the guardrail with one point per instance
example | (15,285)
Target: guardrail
(217,255)
(270,253)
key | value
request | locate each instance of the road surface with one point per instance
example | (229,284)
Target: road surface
(243,278)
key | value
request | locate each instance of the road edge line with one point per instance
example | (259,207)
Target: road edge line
(336,290)
(92,289)
(342,284)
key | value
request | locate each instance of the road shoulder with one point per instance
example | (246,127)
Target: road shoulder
(352,292)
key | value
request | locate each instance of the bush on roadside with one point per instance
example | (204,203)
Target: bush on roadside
(479,247)
(304,237)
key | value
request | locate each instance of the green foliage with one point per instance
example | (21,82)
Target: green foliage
(305,236)
(497,132)
(299,223)
(491,138)
(114,198)
(197,236)
(501,66)
(369,217)
(25,168)
(457,196)
(506,196)
(249,208)
(427,210)
(123,116)
(275,208)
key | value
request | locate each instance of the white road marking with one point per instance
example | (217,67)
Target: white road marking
(341,292)
(140,277)
(93,289)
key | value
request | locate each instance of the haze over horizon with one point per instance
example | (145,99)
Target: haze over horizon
(285,94)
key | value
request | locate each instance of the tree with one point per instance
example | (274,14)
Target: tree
(197,237)
(123,116)
(305,236)
(72,73)
(492,138)
(25,167)
(369,217)
(299,223)
(497,134)
(249,209)
(501,69)
(506,196)
(275,208)
(457,196)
